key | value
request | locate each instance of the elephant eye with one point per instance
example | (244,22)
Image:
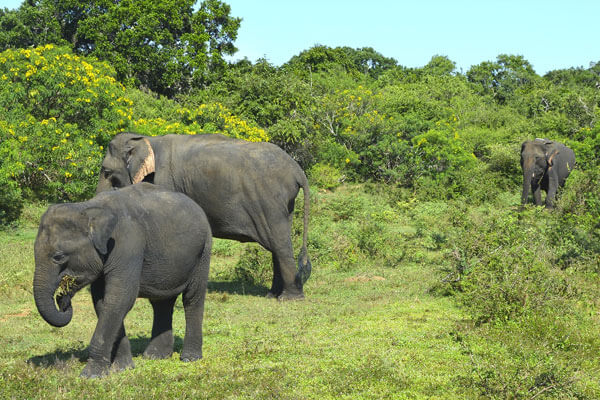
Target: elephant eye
(107,173)
(59,258)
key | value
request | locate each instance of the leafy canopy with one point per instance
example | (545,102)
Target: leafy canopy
(164,45)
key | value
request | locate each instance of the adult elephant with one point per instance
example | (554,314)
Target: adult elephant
(247,190)
(142,241)
(546,165)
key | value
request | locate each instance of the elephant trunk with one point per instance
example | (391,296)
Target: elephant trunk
(45,283)
(527,177)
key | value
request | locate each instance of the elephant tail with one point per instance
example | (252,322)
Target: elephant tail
(304,265)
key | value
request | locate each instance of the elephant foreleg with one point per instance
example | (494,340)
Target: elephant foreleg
(537,194)
(161,344)
(108,339)
(551,193)
(121,357)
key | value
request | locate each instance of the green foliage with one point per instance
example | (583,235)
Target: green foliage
(504,78)
(11,202)
(166,45)
(507,269)
(355,62)
(62,110)
(206,118)
(325,176)
(253,268)
(29,26)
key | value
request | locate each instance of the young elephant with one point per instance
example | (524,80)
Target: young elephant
(141,241)
(546,166)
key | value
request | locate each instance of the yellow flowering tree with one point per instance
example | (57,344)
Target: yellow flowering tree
(61,110)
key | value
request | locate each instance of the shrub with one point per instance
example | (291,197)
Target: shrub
(325,176)
(254,267)
(206,118)
(11,202)
(502,265)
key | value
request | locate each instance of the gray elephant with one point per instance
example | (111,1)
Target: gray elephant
(247,190)
(142,241)
(546,166)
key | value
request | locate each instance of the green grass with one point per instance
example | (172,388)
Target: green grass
(371,326)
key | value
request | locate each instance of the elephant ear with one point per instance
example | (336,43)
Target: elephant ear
(101,224)
(140,159)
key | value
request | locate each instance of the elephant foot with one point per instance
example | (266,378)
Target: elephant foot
(287,295)
(188,356)
(122,365)
(94,370)
(155,353)
(160,347)
(271,295)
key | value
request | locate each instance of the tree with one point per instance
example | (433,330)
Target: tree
(576,76)
(162,45)
(361,61)
(28,26)
(440,65)
(502,78)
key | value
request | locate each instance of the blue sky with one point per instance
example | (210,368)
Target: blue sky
(550,34)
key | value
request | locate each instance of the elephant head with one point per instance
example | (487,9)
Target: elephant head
(129,159)
(536,161)
(69,250)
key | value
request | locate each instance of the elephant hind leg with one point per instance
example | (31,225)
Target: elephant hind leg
(161,343)
(285,285)
(277,283)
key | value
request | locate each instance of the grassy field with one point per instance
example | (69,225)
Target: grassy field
(372,326)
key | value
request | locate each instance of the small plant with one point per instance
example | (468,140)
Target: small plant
(253,267)
(326,176)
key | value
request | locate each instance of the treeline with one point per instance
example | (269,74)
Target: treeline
(73,75)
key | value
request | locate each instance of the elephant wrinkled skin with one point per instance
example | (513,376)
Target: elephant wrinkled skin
(247,190)
(546,166)
(142,241)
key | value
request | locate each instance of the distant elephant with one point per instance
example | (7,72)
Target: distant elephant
(247,190)
(546,165)
(142,241)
